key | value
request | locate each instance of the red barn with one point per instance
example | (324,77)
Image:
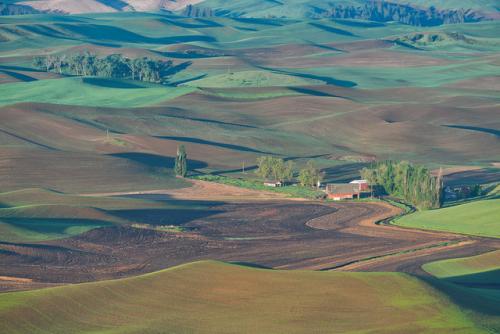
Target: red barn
(340,191)
(363,185)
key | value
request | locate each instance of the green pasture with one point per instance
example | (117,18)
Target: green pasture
(32,215)
(473,283)
(479,218)
(89,92)
(252,79)
(479,267)
(213,297)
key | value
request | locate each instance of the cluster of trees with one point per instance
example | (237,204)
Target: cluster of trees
(112,66)
(413,183)
(384,11)
(375,10)
(276,169)
(180,167)
(13,9)
(310,176)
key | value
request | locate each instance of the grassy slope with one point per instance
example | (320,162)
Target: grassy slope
(476,218)
(472,282)
(36,215)
(78,91)
(212,297)
(47,222)
(292,122)
(252,79)
(464,266)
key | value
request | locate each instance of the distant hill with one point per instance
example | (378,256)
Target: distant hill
(414,12)
(102,6)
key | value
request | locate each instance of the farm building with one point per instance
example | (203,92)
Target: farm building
(273,184)
(363,185)
(340,191)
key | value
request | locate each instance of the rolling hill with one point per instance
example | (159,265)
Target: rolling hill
(213,297)
(393,10)
(475,218)
(418,12)
(100,6)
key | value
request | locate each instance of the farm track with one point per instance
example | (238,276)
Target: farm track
(275,233)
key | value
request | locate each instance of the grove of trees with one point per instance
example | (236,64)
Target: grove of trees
(310,176)
(413,183)
(276,169)
(112,66)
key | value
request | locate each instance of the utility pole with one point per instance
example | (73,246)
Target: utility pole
(243,167)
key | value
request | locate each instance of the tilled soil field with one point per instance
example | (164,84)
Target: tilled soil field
(275,234)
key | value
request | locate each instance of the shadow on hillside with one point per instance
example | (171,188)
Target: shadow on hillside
(324,46)
(103,32)
(19,76)
(327,80)
(484,301)
(156,161)
(258,21)
(178,68)
(314,92)
(109,83)
(203,24)
(53,225)
(252,265)
(359,24)
(184,81)
(245,29)
(494,132)
(213,143)
(162,217)
(480,176)
(332,29)
(206,120)
(343,173)
(483,280)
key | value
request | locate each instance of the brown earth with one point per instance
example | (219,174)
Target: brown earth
(277,234)
(203,190)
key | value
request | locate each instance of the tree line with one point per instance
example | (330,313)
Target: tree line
(413,183)
(112,66)
(276,169)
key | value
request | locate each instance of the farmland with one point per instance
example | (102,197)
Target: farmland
(229,299)
(476,218)
(99,235)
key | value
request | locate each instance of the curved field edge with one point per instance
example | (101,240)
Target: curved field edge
(58,215)
(479,218)
(473,284)
(464,266)
(214,297)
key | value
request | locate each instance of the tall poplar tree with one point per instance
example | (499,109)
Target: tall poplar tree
(181,162)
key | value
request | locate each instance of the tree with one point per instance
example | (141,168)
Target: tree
(39,63)
(413,183)
(310,176)
(274,168)
(370,175)
(181,162)
(112,66)
(264,169)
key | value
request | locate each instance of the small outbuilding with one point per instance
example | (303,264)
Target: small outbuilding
(273,184)
(340,191)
